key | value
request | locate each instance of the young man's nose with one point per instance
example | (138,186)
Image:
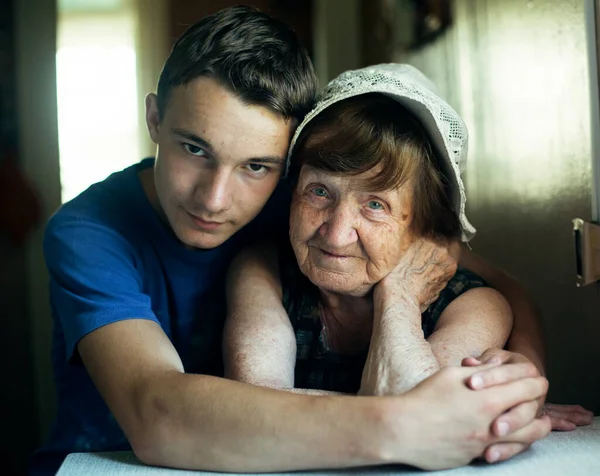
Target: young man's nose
(214,194)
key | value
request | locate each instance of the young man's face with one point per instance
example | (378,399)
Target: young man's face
(218,160)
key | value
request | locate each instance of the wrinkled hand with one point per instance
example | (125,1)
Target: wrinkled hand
(567,417)
(511,366)
(423,272)
(459,430)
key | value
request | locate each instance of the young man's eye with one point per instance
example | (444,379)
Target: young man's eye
(258,170)
(256,167)
(194,150)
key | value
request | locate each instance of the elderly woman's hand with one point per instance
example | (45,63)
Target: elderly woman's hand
(423,272)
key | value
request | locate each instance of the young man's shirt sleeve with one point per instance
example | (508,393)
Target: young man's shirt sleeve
(94,279)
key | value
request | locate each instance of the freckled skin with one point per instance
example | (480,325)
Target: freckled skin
(217,186)
(336,214)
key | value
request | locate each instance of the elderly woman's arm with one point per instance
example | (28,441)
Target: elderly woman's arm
(259,345)
(399,355)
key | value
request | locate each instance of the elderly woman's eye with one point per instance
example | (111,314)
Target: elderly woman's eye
(375,205)
(320,192)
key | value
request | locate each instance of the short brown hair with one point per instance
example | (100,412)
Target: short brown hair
(375,132)
(255,56)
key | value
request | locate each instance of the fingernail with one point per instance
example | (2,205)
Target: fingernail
(476,381)
(495,361)
(503,428)
(494,456)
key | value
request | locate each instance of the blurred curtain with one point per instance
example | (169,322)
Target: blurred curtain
(152,48)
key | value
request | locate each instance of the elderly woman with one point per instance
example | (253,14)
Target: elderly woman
(367,298)
(376,185)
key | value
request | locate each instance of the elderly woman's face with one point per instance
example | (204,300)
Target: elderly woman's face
(346,238)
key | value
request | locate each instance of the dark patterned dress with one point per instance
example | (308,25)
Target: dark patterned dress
(319,367)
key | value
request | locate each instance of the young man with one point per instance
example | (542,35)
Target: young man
(137,265)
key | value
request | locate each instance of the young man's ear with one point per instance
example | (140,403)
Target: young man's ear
(152,117)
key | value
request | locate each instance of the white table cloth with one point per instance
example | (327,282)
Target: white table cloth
(575,453)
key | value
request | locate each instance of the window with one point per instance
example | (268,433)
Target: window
(99,127)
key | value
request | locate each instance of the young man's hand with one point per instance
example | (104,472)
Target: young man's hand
(562,417)
(458,429)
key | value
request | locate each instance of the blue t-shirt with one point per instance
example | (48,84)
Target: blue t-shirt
(111,258)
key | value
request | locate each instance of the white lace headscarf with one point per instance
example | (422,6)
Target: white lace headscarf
(446,130)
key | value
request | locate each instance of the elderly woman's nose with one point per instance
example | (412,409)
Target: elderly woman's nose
(339,228)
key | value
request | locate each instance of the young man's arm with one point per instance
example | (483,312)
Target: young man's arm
(259,343)
(476,320)
(525,343)
(192,421)
(526,337)
(198,422)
